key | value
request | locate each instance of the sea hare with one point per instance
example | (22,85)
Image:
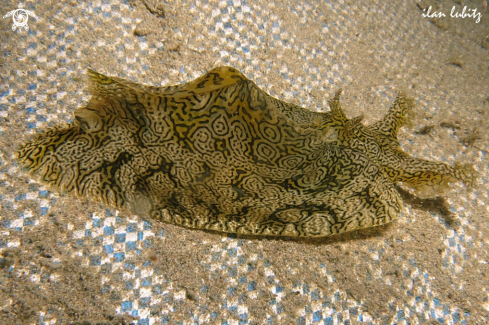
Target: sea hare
(219,153)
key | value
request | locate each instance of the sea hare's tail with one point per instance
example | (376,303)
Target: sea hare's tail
(40,156)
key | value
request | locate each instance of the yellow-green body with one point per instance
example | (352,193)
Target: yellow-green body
(220,154)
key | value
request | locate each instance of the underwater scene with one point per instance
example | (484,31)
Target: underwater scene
(240,162)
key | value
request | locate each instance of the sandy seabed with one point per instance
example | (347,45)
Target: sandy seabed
(71,260)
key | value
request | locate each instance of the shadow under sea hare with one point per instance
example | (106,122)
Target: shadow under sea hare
(219,153)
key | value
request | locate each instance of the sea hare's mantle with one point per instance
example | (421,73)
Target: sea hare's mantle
(219,153)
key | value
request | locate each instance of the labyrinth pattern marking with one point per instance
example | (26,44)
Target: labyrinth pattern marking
(220,154)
